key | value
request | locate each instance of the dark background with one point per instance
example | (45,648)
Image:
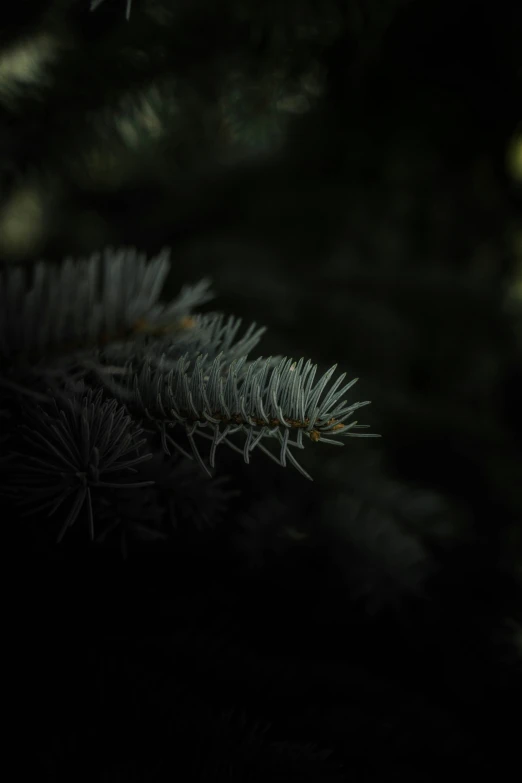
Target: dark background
(377,225)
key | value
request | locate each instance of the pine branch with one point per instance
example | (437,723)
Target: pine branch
(112,358)
(85,304)
(80,445)
(208,333)
(266,401)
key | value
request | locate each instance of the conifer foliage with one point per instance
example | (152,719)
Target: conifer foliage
(190,609)
(99,365)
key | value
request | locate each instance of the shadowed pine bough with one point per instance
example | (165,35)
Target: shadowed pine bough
(90,341)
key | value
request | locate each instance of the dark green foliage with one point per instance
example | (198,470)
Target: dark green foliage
(345,172)
(80,321)
(82,444)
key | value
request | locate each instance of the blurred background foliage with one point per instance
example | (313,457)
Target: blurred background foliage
(348,173)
